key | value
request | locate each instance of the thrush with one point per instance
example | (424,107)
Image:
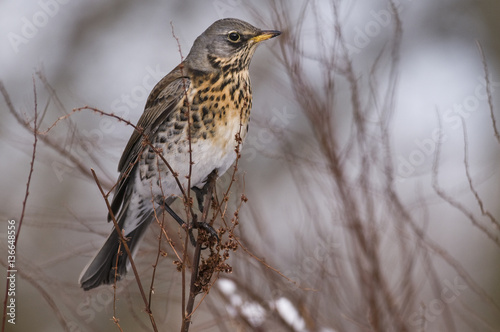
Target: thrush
(194,114)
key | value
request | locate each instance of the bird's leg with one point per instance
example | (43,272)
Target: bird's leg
(203,225)
(201,195)
(204,203)
(208,186)
(179,220)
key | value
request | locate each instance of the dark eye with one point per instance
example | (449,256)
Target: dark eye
(234,36)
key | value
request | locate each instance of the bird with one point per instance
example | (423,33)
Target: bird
(195,114)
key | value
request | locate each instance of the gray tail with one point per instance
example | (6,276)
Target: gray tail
(112,259)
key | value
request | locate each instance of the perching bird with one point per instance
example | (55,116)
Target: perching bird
(211,87)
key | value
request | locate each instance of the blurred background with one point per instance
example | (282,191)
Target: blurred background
(371,165)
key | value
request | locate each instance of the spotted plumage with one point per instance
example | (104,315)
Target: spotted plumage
(204,103)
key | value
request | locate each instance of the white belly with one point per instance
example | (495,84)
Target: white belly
(206,156)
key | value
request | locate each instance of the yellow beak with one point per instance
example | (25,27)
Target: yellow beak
(265,34)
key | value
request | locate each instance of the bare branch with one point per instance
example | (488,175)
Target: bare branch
(32,163)
(488,90)
(127,250)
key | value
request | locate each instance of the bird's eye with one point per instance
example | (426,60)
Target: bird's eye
(234,36)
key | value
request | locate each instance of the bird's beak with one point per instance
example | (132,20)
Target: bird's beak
(265,34)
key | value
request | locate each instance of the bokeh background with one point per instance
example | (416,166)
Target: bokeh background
(110,54)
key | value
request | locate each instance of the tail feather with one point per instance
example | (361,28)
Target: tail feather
(112,258)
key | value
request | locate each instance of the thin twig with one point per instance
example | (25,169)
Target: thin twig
(35,126)
(45,139)
(18,231)
(127,250)
(479,201)
(488,91)
(187,200)
(34,281)
(155,265)
(115,317)
(457,205)
(72,126)
(194,287)
(140,130)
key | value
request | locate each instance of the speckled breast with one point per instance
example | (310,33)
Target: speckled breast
(219,109)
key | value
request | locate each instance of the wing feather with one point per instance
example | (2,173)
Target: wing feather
(162,101)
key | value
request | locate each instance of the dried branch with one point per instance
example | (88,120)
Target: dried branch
(488,90)
(32,163)
(479,201)
(127,250)
(195,284)
(436,248)
(33,280)
(115,316)
(457,205)
(187,198)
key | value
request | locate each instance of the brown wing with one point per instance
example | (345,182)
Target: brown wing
(160,104)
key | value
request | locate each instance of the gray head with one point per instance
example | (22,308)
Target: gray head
(228,44)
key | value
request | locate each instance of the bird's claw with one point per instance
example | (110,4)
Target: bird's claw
(207,228)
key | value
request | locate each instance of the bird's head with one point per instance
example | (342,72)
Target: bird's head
(228,44)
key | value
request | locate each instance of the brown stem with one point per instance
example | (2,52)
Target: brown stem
(35,124)
(127,250)
(193,291)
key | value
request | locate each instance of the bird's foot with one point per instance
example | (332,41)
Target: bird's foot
(207,228)
(201,193)
(196,224)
